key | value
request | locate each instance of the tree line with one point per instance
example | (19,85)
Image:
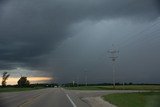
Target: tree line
(22,82)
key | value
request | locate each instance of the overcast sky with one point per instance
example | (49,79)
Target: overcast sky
(64,38)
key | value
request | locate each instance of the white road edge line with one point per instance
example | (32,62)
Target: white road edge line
(74,105)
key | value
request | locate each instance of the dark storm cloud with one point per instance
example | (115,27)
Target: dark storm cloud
(29,30)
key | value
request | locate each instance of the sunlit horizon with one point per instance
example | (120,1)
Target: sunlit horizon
(13,80)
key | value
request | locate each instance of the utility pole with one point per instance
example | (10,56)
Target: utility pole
(19,71)
(85,72)
(113,52)
(73,83)
(77,81)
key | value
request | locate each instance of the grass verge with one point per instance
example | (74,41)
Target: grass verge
(145,99)
(8,89)
(120,87)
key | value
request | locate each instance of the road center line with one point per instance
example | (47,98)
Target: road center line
(74,105)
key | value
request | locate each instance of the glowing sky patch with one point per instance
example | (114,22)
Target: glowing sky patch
(13,80)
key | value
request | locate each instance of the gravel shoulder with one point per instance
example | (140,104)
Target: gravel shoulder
(97,102)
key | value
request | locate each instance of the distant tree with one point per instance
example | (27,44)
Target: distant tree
(23,82)
(5,76)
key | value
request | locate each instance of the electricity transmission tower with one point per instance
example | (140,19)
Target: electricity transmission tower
(113,55)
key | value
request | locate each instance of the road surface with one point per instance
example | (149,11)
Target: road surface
(51,97)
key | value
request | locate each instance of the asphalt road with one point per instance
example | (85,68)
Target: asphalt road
(50,97)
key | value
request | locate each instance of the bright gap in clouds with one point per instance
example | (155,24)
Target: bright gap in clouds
(13,80)
(33,76)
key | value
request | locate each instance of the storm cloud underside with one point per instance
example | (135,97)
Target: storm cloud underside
(32,33)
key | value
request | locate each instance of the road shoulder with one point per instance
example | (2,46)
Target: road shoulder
(97,102)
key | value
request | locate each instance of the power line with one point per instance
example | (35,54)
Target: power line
(126,41)
(147,37)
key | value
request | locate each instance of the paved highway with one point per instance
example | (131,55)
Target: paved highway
(50,97)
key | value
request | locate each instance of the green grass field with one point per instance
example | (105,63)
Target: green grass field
(126,87)
(146,99)
(8,89)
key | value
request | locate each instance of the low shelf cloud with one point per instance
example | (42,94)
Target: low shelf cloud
(63,38)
